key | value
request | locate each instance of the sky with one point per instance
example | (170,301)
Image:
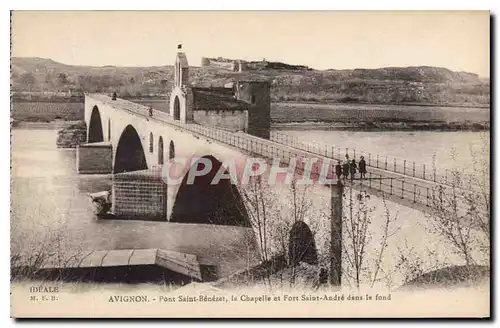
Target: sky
(458,40)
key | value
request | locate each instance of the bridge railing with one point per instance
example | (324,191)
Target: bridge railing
(392,164)
(412,192)
(404,167)
(271,149)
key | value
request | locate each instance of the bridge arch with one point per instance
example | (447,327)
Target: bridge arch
(171,150)
(218,204)
(160,151)
(129,152)
(95,126)
(301,245)
(177,108)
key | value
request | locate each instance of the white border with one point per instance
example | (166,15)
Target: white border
(255,5)
(183,5)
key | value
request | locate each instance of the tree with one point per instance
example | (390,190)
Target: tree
(274,212)
(28,80)
(461,209)
(62,79)
(363,259)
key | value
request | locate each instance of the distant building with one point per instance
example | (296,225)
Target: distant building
(238,65)
(240,106)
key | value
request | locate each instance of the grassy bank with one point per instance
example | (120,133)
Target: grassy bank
(47,111)
(43,125)
(356,113)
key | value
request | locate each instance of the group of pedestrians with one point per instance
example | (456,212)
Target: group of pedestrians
(349,168)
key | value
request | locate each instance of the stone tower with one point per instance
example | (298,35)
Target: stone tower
(181,74)
(258,95)
(181,98)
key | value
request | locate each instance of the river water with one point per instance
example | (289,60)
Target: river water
(51,210)
(50,207)
(448,150)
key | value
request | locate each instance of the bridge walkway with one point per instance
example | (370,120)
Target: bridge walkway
(400,167)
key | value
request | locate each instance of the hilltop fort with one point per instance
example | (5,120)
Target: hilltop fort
(239,65)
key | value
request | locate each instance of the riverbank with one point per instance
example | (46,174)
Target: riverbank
(284,112)
(72,136)
(53,125)
(380,114)
(382,126)
(374,103)
(165,97)
(299,116)
(311,125)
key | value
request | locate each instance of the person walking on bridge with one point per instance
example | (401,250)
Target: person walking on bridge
(352,169)
(338,170)
(362,167)
(345,169)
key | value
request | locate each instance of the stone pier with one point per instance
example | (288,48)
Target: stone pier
(94,158)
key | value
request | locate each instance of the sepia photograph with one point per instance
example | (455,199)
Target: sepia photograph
(259,164)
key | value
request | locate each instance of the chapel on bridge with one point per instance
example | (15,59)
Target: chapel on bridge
(244,105)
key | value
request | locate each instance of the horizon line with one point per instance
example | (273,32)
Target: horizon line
(199,66)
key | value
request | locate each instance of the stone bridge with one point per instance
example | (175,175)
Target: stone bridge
(135,143)
(124,139)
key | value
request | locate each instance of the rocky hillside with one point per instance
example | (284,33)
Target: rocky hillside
(416,74)
(39,77)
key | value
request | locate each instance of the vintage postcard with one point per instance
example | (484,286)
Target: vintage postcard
(180,164)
